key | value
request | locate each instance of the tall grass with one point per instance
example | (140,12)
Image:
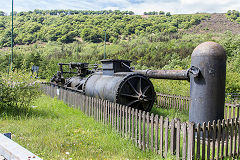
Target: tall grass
(52,130)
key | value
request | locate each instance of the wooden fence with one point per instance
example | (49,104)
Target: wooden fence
(185,140)
(183,103)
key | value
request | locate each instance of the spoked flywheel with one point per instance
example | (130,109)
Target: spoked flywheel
(137,92)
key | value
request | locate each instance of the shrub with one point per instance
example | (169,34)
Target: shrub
(17,91)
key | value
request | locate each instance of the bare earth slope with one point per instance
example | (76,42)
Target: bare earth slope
(217,23)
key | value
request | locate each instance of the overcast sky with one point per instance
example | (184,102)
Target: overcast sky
(138,6)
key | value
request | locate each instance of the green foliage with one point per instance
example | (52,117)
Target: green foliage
(233,15)
(151,42)
(17,92)
(67,26)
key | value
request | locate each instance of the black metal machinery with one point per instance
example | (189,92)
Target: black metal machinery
(117,82)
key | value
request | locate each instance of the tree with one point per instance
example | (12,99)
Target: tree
(2,13)
(161,13)
(168,14)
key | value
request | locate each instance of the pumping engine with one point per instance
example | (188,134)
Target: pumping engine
(115,82)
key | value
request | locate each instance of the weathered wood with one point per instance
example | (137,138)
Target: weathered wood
(218,138)
(203,140)
(147,118)
(123,120)
(166,138)
(234,137)
(143,131)
(231,138)
(230,112)
(136,126)
(178,140)
(213,139)
(191,141)
(238,141)
(126,120)
(198,141)
(105,112)
(237,111)
(161,136)
(151,119)
(133,124)
(226,138)
(95,108)
(118,118)
(225,112)
(140,128)
(173,137)
(223,138)
(129,121)
(110,113)
(115,117)
(113,113)
(156,133)
(209,128)
(234,108)
(184,145)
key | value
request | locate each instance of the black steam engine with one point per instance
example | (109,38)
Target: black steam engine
(115,82)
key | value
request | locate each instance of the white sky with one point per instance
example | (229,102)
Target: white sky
(138,6)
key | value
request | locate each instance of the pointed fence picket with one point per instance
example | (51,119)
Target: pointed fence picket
(213,140)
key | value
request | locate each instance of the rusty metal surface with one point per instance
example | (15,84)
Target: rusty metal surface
(165,74)
(13,151)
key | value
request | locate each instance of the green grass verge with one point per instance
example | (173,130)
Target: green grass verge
(171,113)
(52,130)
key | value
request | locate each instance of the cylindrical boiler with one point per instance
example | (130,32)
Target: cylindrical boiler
(207,90)
(127,88)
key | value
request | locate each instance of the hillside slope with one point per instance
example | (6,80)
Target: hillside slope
(217,23)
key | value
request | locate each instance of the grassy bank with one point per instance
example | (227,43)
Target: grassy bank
(52,130)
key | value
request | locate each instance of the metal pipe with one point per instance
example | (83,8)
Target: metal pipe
(165,74)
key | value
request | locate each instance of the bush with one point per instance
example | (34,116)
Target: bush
(18,90)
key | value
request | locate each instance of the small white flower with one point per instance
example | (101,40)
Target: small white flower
(67,153)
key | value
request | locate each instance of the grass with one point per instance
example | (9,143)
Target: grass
(171,113)
(52,130)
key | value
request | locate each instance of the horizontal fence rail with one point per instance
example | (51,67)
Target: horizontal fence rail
(10,150)
(183,103)
(185,140)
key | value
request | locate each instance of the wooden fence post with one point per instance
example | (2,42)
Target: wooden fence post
(178,139)
(203,140)
(184,132)
(191,141)
(198,141)
(156,133)
(151,119)
(140,128)
(143,131)
(136,127)
(133,124)
(173,138)
(166,138)
(161,136)
(213,139)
